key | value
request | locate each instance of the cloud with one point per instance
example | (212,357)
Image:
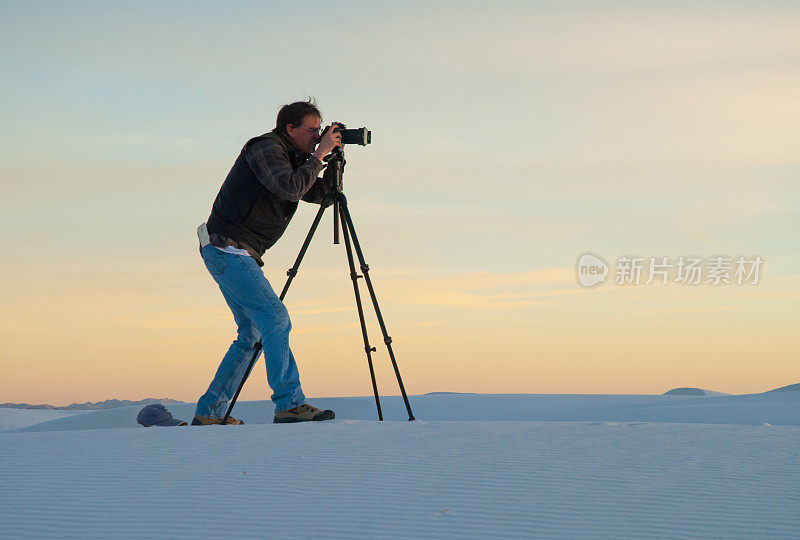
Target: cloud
(323,328)
(686,309)
(414,287)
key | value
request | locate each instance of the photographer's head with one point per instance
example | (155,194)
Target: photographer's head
(300,121)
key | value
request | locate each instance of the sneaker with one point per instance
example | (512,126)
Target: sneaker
(303,413)
(206,421)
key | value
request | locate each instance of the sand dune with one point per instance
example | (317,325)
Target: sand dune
(778,408)
(13,419)
(565,467)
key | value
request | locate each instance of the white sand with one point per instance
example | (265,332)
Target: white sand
(600,477)
(11,419)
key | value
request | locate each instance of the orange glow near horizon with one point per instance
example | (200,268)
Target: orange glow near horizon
(551,336)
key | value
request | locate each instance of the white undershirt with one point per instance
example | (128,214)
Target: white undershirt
(234,250)
(205,240)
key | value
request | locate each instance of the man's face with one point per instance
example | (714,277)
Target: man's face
(305,136)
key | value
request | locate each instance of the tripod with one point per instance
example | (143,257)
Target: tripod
(336,196)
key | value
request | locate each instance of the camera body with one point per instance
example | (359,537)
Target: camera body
(361,136)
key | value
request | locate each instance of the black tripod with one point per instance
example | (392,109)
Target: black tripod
(335,195)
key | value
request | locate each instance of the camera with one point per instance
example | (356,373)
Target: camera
(361,136)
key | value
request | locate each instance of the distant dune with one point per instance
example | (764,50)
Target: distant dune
(89,406)
(774,408)
(789,388)
(689,391)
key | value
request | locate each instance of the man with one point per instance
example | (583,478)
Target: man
(255,204)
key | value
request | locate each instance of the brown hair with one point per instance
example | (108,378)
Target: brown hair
(294,113)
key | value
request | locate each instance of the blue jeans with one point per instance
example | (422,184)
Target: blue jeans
(260,316)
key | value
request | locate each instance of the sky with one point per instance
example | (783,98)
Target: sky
(509,138)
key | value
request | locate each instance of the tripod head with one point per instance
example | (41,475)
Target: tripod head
(335,168)
(333,175)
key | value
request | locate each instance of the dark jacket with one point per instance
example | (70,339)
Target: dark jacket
(260,194)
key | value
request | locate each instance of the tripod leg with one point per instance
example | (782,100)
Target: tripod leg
(369,349)
(365,270)
(336,221)
(291,273)
(241,383)
(293,270)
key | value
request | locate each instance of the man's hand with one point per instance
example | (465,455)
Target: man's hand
(328,142)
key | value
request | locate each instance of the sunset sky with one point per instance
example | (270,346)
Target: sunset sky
(509,138)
